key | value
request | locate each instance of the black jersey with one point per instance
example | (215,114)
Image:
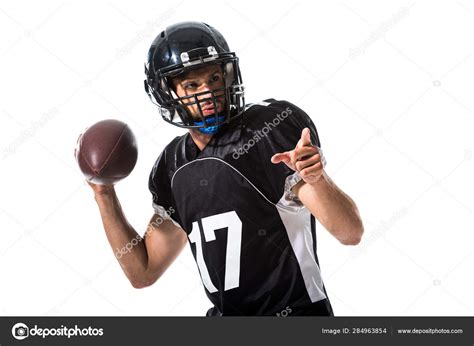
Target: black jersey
(253,241)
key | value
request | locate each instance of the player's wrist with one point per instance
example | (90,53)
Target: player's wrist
(104,193)
(317,180)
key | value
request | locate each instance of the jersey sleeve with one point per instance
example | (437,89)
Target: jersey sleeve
(289,121)
(159,185)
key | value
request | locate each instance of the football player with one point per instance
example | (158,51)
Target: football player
(243,187)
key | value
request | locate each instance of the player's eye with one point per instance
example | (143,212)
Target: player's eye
(190,86)
(215,78)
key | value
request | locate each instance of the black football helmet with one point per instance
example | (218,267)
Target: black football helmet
(183,47)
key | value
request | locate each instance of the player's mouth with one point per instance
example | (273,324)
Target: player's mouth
(208,110)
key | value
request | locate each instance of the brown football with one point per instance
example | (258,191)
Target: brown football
(107,152)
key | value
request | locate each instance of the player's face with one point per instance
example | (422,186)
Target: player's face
(202,80)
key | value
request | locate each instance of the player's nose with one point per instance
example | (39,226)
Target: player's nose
(204,87)
(205,92)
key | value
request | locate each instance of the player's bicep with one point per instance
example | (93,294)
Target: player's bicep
(164,241)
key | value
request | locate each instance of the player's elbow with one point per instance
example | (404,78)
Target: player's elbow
(353,237)
(138,284)
(141,283)
(350,241)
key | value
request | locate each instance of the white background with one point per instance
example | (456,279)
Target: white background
(388,85)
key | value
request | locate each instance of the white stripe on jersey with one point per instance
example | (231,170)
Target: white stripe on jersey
(298,227)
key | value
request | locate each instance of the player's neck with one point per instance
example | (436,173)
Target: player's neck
(200,139)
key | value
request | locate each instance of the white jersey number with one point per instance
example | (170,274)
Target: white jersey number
(210,225)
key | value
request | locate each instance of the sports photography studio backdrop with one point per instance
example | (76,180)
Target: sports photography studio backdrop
(387,84)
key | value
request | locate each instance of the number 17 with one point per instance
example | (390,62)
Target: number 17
(210,225)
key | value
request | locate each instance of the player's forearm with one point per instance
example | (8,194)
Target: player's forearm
(128,246)
(336,211)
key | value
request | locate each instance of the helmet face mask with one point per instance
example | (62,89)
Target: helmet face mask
(173,55)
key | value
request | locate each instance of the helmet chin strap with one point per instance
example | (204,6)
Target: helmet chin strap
(210,130)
